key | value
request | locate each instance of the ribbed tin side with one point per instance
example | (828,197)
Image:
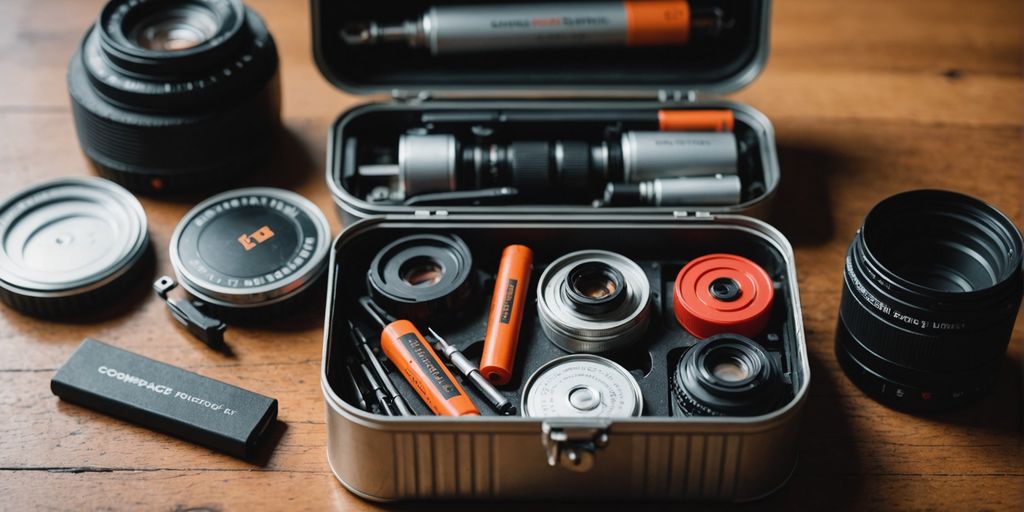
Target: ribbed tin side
(688,466)
(444,465)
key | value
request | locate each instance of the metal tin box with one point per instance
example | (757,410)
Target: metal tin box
(654,456)
(649,457)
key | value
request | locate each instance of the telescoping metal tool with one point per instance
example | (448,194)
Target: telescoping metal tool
(459,29)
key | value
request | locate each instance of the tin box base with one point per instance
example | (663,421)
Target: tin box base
(656,456)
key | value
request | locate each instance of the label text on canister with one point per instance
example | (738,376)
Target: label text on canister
(510,300)
(426,362)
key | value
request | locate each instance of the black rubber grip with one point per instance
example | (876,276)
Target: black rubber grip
(903,346)
(574,168)
(530,164)
(155,154)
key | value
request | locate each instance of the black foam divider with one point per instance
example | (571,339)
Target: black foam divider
(651,361)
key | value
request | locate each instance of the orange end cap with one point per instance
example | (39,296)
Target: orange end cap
(657,22)
(696,120)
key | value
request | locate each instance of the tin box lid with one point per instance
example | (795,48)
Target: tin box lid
(663,72)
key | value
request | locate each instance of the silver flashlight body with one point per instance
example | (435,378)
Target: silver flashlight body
(453,29)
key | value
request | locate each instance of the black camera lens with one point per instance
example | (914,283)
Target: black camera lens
(931,288)
(422,277)
(175,94)
(726,375)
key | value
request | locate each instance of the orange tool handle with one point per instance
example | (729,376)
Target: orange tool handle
(696,120)
(506,315)
(416,359)
(657,22)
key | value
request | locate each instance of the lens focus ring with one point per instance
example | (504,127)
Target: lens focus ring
(901,345)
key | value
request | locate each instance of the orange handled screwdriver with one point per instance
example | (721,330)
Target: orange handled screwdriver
(506,314)
(406,348)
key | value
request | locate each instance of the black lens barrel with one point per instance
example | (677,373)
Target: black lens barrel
(932,285)
(166,120)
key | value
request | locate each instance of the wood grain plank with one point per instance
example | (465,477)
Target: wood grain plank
(225,490)
(869,98)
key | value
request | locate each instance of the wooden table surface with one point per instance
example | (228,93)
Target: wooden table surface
(868,97)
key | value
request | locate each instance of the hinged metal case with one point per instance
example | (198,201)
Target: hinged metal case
(714,458)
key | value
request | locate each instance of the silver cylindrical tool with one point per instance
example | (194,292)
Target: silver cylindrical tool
(427,163)
(696,191)
(470,371)
(455,29)
(652,155)
(476,28)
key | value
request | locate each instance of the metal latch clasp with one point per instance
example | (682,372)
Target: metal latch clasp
(573,445)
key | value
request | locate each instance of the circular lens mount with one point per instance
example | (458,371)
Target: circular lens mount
(422,277)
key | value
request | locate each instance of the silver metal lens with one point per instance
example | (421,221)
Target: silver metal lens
(613,316)
(175,29)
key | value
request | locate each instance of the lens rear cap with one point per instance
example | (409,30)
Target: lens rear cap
(69,245)
(250,247)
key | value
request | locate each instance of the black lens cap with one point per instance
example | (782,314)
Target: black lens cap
(251,247)
(69,245)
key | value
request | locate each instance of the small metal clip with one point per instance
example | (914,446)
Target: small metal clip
(573,445)
(207,329)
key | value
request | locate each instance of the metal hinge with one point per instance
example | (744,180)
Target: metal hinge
(430,213)
(677,96)
(573,445)
(405,96)
(697,215)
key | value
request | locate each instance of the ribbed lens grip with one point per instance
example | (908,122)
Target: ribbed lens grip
(162,153)
(530,164)
(574,166)
(918,351)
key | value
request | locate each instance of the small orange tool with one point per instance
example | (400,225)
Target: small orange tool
(506,316)
(405,347)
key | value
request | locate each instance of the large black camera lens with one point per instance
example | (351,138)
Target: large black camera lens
(726,375)
(930,295)
(175,94)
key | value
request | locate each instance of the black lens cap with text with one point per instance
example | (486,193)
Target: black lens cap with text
(247,249)
(70,245)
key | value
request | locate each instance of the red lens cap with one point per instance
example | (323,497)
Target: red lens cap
(720,293)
